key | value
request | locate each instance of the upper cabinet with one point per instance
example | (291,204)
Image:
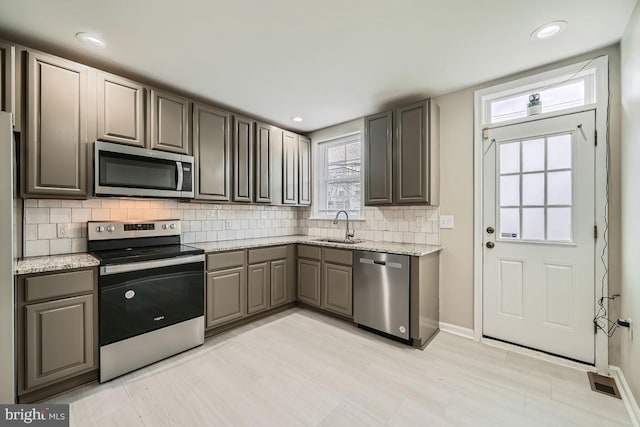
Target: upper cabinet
(378,149)
(58,111)
(289,168)
(212,152)
(265,162)
(169,122)
(7,59)
(121,107)
(242,159)
(402,156)
(304,171)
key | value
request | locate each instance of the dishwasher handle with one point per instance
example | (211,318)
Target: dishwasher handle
(380,263)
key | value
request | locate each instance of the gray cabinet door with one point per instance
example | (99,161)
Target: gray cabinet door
(258,288)
(7,87)
(309,281)
(378,154)
(304,172)
(242,159)
(279,282)
(121,110)
(411,154)
(212,153)
(169,122)
(265,141)
(226,296)
(289,168)
(337,289)
(59,339)
(57,127)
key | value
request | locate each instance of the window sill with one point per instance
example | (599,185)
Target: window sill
(322,218)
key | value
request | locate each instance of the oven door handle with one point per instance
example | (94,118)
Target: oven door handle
(146,265)
(180,176)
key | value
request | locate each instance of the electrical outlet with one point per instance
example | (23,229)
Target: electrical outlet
(419,221)
(446,221)
(227,224)
(63,230)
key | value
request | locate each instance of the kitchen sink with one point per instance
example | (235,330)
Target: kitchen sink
(338,240)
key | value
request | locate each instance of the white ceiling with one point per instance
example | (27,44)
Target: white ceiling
(328,61)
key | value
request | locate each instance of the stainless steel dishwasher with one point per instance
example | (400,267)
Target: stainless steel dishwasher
(381,286)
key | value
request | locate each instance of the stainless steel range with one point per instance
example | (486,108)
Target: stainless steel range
(151,289)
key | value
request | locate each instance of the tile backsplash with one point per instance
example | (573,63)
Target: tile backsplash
(410,224)
(60,226)
(52,227)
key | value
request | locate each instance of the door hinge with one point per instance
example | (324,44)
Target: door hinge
(595,231)
(595,136)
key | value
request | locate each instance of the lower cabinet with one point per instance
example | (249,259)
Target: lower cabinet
(279,282)
(325,278)
(259,289)
(309,281)
(226,296)
(59,339)
(337,289)
(57,334)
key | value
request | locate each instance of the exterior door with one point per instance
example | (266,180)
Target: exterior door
(539,253)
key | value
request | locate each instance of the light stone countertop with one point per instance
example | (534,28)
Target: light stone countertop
(367,245)
(45,264)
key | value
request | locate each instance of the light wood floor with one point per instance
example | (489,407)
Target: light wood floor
(303,368)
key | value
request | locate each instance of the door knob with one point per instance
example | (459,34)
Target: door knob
(490,230)
(491,245)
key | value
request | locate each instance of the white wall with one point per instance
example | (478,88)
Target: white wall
(630,82)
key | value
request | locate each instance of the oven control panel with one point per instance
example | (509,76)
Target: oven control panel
(99,230)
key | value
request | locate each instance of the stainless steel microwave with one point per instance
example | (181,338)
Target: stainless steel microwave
(122,170)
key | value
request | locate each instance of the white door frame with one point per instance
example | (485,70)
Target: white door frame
(601,66)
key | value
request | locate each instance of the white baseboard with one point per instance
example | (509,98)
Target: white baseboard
(627,396)
(457,330)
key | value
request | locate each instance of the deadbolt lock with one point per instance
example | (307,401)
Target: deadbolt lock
(491,245)
(490,230)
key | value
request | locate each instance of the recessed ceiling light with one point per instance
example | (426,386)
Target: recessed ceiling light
(549,30)
(90,39)
(296,119)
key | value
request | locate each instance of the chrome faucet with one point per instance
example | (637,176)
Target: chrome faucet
(347,234)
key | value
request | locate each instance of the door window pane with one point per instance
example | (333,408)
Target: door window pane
(559,152)
(510,157)
(559,188)
(559,224)
(533,189)
(509,223)
(533,223)
(510,190)
(533,155)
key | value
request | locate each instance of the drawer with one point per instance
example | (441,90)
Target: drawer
(310,252)
(267,254)
(58,285)
(225,260)
(338,256)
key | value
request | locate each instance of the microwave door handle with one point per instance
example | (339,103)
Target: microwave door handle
(180,175)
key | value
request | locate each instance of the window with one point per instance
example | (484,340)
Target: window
(339,173)
(556,94)
(535,189)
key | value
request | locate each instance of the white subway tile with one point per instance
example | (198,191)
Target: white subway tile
(36,215)
(100,214)
(36,248)
(60,215)
(45,203)
(60,246)
(78,245)
(47,231)
(92,203)
(80,214)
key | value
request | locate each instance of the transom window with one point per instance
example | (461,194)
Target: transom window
(339,172)
(535,189)
(556,94)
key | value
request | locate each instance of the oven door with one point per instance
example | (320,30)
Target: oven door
(131,171)
(141,297)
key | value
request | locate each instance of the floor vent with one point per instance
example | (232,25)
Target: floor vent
(604,385)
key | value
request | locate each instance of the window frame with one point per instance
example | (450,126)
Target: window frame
(320,168)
